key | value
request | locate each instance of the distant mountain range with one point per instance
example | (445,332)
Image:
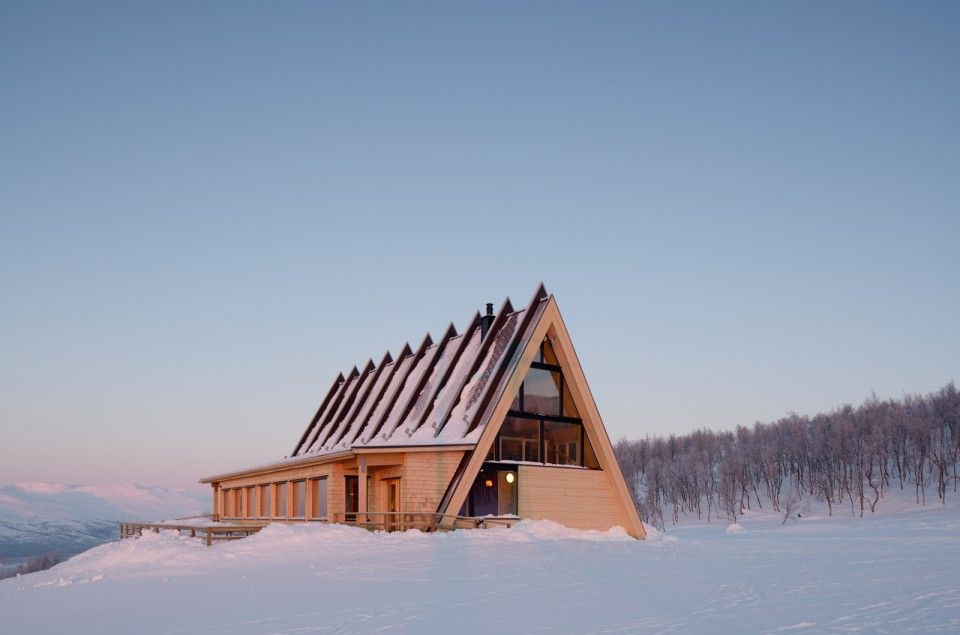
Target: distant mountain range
(39,518)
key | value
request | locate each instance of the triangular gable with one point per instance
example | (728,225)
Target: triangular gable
(549,324)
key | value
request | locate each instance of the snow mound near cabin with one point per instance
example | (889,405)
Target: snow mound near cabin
(527,530)
(172,553)
(655,535)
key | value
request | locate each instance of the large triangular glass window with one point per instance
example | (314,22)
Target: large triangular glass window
(544,425)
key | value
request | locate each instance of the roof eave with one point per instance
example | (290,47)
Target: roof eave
(273,467)
(436,447)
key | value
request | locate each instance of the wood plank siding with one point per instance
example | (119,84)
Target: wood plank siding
(582,499)
(425,479)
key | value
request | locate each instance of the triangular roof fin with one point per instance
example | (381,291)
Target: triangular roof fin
(354,381)
(323,404)
(509,360)
(415,394)
(505,310)
(426,343)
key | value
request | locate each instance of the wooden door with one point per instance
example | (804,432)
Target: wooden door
(351,503)
(393,504)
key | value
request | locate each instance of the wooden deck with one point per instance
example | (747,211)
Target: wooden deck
(234,529)
(211,533)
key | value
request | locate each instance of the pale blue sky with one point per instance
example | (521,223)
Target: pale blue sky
(208,210)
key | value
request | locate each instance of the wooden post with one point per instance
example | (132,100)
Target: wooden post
(215,512)
(362,489)
(308,512)
(209,537)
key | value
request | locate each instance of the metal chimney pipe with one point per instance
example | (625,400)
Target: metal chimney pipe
(486,321)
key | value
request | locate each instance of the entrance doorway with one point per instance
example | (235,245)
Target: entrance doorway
(351,503)
(494,493)
(393,504)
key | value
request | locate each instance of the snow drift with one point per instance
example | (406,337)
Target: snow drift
(817,574)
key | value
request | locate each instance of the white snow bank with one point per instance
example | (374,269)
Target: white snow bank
(735,528)
(550,530)
(655,535)
(848,576)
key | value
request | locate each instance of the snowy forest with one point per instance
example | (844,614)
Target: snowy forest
(847,459)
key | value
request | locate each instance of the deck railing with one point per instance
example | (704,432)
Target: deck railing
(424,521)
(211,533)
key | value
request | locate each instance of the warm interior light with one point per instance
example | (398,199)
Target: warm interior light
(488,483)
(510,477)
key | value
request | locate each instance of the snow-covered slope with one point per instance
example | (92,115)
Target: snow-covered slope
(41,517)
(892,572)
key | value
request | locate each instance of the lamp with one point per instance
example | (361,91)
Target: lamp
(510,477)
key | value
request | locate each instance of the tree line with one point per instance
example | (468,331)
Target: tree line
(849,457)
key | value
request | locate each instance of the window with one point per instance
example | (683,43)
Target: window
(319,493)
(519,440)
(541,392)
(561,443)
(569,408)
(543,424)
(547,354)
(265,501)
(589,456)
(300,499)
(238,502)
(251,502)
(282,498)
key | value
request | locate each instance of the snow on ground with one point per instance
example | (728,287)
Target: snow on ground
(892,572)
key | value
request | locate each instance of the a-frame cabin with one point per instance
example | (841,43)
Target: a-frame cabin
(495,422)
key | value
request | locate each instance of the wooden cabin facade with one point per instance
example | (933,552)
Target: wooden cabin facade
(497,421)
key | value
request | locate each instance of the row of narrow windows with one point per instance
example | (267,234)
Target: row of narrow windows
(269,500)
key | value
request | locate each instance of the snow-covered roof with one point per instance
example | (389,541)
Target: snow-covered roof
(433,396)
(439,395)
